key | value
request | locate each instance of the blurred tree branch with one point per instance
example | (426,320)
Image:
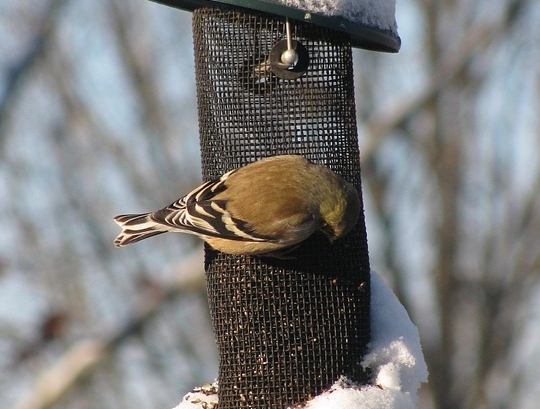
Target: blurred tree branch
(86,355)
(447,68)
(496,291)
(19,69)
(68,166)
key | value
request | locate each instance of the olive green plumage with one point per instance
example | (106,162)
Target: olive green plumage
(266,206)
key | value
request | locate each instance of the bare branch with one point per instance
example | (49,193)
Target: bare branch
(19,69)
(86,355)
(450,67)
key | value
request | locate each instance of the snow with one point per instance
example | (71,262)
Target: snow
(203,397)
(395,358)
(378,14)
(344,395)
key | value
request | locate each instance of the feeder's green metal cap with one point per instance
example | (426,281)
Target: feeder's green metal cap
(362,35)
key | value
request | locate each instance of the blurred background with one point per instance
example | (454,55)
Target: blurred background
(98,117)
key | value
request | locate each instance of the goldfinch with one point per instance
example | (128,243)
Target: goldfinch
(263,207)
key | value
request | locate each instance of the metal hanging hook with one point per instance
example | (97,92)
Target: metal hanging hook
(289,56)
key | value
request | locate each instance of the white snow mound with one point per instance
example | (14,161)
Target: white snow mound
(395,359)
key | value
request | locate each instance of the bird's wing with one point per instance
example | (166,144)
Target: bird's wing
(201,213)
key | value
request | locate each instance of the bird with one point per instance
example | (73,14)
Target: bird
(262,208)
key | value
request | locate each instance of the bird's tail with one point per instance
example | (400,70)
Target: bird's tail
(136,227)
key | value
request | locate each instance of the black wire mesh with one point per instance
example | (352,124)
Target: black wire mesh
(285,329)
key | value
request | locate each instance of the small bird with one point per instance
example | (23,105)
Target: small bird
(264,207)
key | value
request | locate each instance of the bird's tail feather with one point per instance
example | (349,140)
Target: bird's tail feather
(136,227)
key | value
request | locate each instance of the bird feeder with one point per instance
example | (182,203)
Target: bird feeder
(275,79)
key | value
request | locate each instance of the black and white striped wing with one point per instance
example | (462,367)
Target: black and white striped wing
(200,213)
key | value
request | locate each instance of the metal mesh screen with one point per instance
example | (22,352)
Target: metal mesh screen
(285,329)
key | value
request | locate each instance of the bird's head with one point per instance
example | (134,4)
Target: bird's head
(340,209)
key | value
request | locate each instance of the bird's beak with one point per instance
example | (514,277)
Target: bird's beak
(328,232)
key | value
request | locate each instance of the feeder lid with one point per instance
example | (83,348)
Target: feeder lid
(371,25)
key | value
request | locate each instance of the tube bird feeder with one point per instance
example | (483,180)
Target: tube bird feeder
(275,79)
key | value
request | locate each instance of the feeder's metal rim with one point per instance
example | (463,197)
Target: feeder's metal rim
(362,36)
